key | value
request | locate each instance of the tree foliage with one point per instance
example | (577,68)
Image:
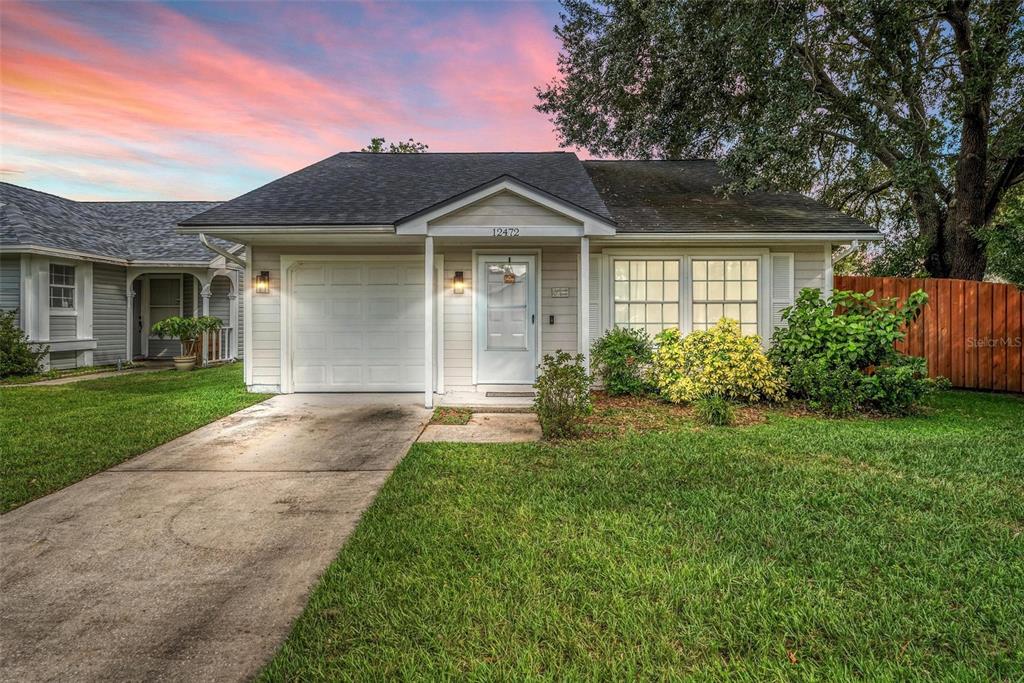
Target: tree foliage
(410,146)
(906,113)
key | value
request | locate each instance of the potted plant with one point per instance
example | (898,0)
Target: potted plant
(189,331)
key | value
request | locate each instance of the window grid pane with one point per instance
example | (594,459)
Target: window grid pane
(725,288)
(646,293)
(62,286)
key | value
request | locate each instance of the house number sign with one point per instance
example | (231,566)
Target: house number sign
(505,232)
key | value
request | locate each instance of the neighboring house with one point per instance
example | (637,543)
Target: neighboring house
(90,278)
(435,272)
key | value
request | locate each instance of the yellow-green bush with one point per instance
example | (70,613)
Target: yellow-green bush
(715,362)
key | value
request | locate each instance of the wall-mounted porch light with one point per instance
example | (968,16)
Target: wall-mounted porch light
(263,282)
(458,283)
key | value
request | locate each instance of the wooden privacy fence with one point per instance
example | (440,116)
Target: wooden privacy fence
(970,332)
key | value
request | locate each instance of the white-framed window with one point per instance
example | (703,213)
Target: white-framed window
(62,287)
(646,293)
(725,288)
(164,299)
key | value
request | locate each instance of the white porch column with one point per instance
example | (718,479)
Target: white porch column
(584,299)
(233,308)
(205,293)
(428,321)
(130,327)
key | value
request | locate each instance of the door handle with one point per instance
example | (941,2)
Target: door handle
(533,318)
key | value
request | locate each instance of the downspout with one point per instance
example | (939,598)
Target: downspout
(228,256)
(845,252)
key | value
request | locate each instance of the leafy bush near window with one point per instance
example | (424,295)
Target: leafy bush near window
(839,353)
(17,356)
(622,358)
(563,395)
(848,329)
(719,361)
(714,411)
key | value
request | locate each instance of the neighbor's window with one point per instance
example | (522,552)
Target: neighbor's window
(647,294)
(62,286)
(164,299)
(725,288)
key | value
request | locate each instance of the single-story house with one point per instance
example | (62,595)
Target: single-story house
(89,279)
(457,272)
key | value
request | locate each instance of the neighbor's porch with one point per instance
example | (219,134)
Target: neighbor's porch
(158,293)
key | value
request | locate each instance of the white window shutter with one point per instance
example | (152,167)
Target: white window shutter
(782,286)
(596,302)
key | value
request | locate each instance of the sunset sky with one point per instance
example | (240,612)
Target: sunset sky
(209,100)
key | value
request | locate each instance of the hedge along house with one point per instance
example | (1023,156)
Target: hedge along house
(452,273)
(89,279)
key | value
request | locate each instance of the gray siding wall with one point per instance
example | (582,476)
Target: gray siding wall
(10,283)
(220,305)
(164,348)
(63,360)
(63,327)
(188,285)
(108,313)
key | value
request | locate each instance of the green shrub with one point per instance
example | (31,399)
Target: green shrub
(831,390)
(896,388)
(839,353)
(848,329)
(715,362)
(622,359)
(714,411)
(563,395)
(17,356)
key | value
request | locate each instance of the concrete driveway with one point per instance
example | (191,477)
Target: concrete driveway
(191,561)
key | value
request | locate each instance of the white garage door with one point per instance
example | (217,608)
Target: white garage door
(357,325)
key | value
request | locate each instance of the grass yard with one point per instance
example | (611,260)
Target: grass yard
(794,547)
(51,437)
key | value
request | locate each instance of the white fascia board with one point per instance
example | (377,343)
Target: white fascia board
(766,237)
(419,224)
(65,253)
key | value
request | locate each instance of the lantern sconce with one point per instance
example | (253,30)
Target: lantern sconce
(263,282)
(458,283)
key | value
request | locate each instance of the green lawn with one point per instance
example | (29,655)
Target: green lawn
(54,436)
(794,548)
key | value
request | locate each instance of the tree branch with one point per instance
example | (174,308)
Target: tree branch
(1011,174)
(868,194)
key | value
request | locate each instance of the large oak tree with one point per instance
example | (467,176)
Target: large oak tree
(889,110)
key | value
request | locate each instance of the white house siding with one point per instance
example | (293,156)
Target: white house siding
(108,317)
(558,265)
(502,210)
(558,268)
(808,266)
(10,283)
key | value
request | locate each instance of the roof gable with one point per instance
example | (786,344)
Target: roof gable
(370,189)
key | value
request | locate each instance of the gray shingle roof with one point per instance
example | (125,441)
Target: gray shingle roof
(133,231)
(356,188)
(681,197)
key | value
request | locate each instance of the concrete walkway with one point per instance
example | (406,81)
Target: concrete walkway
(488,428)
(71,379)
(191,561)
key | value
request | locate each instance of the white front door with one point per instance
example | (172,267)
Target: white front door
(506,338)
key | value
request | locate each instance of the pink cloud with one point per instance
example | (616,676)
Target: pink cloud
(178,98)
